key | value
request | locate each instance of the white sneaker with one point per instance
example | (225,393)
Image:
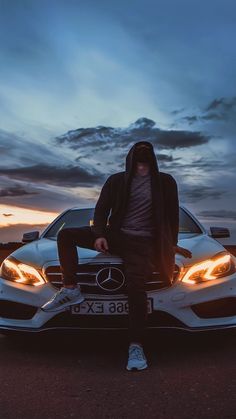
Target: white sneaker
(63,298)
(137,359)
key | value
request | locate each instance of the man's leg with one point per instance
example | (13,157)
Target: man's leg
(137,256)
(67,240)
(70,293)
(136,253)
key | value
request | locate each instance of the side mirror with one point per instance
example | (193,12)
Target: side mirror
(219,232)
(31,236)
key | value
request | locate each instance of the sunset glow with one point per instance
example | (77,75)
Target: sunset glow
(12,215)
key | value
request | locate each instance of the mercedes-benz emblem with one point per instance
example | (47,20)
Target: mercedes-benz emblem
(110,279)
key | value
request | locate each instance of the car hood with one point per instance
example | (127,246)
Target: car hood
(202,247)
(44,251)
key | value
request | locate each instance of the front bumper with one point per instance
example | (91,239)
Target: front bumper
(206,306)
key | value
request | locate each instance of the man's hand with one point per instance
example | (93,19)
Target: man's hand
(101,245)
(182,251)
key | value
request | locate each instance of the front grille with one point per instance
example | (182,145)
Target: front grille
(87,278)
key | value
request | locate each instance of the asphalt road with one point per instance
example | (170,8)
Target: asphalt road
(83,376)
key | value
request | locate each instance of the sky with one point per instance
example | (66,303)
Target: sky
(82,81)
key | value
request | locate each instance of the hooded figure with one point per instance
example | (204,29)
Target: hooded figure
(165,205)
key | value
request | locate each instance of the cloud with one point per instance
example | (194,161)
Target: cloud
(102,147)
(206,164)
(218,214)
(196,193)
(190,119)
(100,151)
(21,150)
(222,103)
(55,175)
(105,138)
(177,111)
(28,164)
(166,158)
(16,191)
(219,109)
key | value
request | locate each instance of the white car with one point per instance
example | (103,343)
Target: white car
(202,296)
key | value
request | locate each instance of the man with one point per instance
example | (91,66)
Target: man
(143,230)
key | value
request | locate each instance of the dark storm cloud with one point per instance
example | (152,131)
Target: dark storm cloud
(166,158)
(196,193)
(222,103)
(47,198)
(143,128)
(219,109)
(31,159)
(70,176)
(16,191)
(181,139)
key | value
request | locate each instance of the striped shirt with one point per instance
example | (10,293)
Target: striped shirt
(138,219)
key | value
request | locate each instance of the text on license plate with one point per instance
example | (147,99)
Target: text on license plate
(105,307)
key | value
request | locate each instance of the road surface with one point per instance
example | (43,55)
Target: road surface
(71,375)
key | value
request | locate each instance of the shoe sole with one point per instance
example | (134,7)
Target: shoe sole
(136,368)
(80,300)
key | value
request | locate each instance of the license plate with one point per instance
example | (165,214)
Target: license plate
(96,307)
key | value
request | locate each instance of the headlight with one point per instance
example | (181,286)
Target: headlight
(20,272)
(207,270)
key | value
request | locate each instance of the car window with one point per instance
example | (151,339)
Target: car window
(187,223)
(72,218)
(84,216)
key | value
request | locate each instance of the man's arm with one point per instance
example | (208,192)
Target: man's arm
(102,210)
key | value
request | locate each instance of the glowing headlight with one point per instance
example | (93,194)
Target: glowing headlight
(22,273)
(209,269)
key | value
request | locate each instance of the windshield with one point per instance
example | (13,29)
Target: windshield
(84,217)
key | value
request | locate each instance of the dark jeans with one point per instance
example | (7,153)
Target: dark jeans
(136,253)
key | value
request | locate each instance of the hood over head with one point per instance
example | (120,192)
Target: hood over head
(141,151)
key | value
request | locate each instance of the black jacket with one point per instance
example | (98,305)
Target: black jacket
(112,203)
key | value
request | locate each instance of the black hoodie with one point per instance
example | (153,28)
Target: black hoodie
(113,199)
